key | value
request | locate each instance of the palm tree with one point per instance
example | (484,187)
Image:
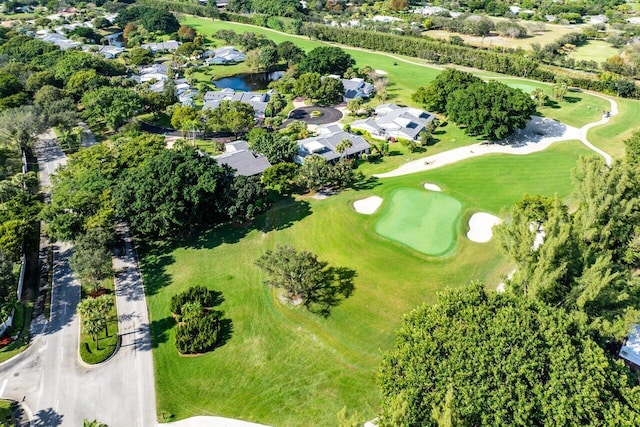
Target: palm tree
(104,305)
(343,146)
(94,423)
(92,325)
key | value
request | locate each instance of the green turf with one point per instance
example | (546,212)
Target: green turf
(422,220)
(594,50)
(284,366)
(611,137)
(91,351)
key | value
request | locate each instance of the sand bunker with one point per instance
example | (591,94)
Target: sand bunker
(431,187)
(367,206)
(481,227)
(381,72)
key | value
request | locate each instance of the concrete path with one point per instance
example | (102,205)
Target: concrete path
(539,134)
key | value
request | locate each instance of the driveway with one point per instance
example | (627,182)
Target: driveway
(54,387)
(329,115)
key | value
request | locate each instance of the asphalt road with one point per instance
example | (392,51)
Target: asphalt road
(48,378)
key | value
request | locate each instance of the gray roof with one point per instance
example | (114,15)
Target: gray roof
(238,156)
(168,45)
(357,88)
(224,55)
(395,121)
(258,100)
(325,144)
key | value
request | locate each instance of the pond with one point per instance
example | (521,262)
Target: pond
(248,81)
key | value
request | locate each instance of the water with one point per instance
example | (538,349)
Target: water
(248,82)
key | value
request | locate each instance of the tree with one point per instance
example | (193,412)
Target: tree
(464,357)
(315,173)
(94,423)
(183,116)
(231,116)
(276,104)
(398,5)
(172,192)
(110,105)
(330,92)
(275,146)
(92,324)
(20,126)
(84,81)
(306,279)
(8,280)
(280,177)
(290,53)
(491,110)
(434,97)
(91,259)
(248,197)
(186,33)
(307,85)
(539,97)
(140,56)
(262,58)
(559,90)
(343,146)
(326,60)
(150,18)
(354,105)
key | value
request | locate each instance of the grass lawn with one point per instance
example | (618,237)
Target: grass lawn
(422,220)
(611,136)
(285,366)
(594,50)
(409,73)
(6,413)
(22,322)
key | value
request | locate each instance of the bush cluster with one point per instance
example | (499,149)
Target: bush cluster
(196,294)
(199,329)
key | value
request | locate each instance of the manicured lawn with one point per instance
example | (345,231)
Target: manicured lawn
(6,413)
(611,136)
(285,366)
(422,220)
(594,50)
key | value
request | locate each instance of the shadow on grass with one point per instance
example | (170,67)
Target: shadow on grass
(160,330)
(329,293)
(226,330)
(367,184)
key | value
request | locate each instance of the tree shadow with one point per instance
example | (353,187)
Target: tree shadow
(367,184)
(160,330)
(572,99)
(284,214)
(153,266)
(47,418)
(225,332)
(330,292)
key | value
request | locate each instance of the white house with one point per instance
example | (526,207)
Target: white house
(385,19)
(392,121)
(258,100)
(238,156)
(59,40)
(224,55)
(168,46)
(630,351)
(326,144)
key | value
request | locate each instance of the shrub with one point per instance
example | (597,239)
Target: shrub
(196,294)
(199,335)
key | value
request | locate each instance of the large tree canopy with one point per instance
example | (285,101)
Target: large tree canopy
(326,60)
(173,191)
(434,97)
(478,358)
(150,18)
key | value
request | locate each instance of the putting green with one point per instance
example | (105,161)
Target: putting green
(423,220)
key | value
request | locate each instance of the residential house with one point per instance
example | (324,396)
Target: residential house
(596,19)
(326,144)
(157,72)
(224,55)
(238,156)
(114,39)
(393,121)
(357,88)
(430,10)
(385,19)
(168,46)
(59,40)
(630,351)
(258,100)
(109,52)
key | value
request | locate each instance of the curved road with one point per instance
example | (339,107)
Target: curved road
(48,378)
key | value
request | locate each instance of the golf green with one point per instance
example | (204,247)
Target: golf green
(423,220)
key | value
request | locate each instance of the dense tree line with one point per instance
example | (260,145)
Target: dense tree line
(587,260)
(210,10)
(492,110)
(483,358)
(150,18)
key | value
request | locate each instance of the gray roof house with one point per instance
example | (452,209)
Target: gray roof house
(357,88)
(258,100)
(168,46)
(224,55)
(59,40)
(630,351)
(392,121)
(326,142)
(238,156)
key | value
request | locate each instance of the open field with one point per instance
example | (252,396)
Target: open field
(594,50)
(422,220)
(285,366)
(550,34)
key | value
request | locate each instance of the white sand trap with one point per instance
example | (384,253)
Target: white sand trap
(367,206)
(381,72)
(481,227)
(432,187)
